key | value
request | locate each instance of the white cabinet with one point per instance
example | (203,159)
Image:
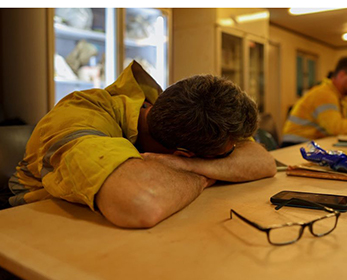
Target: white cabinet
(66,80)
(222,42)
(146,40)
(231,59)
(242,60)
(80,50)
(91,52)
(256,78)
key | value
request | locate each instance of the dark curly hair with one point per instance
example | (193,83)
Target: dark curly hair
(201,114)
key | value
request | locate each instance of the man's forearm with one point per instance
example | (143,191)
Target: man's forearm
(141,193)
(249,161)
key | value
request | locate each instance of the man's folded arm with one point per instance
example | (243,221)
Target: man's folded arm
(141,193)
(249,161)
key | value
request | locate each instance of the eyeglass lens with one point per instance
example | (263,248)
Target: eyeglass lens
(285,235)
(324,226)
(291,233)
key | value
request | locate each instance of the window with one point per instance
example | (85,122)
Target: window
(306,68)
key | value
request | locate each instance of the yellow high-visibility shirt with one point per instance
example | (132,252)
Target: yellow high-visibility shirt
(319,113)
(82,140)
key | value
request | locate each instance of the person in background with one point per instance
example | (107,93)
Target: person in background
(321,111)
(137,154)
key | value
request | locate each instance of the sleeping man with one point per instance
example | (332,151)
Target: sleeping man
(137,154)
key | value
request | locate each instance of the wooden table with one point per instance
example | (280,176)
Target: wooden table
(54,239)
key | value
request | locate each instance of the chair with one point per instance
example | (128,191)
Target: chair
(268,124)
(265,138)
(13,140)
(267,133)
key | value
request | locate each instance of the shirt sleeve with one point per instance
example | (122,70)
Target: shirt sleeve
(77,170)
(328,114)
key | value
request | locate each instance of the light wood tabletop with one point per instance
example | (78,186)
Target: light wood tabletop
(54,239)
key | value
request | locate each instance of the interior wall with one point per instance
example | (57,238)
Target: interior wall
(273,98)
(339,54)
(1,78)
(289,44)
(2,114)
(193,42)
(23,57)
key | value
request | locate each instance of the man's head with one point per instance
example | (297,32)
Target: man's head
(339,77)
(202,114)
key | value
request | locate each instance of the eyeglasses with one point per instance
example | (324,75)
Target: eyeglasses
(224,155)
(289,233)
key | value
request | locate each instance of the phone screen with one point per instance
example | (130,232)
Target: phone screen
(318,198)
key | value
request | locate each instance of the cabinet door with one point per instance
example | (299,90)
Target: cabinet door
(146,41)
(243,62)
(232,58)
(256,72)
(80,48)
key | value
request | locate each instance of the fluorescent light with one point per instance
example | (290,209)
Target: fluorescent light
(226,22)
(304,11)
(252,17)
(344,37)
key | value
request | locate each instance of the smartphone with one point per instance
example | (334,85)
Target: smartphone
(341,141)
(342,138)
(337,202)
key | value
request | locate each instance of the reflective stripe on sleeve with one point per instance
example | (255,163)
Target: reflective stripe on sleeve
(303,122)
(46,163)
(323,108)
(294,138)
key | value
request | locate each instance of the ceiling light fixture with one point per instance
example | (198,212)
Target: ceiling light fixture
(304,11)
(252,17)
(344,37)
(226,22)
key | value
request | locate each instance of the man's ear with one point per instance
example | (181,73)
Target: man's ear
(184,153)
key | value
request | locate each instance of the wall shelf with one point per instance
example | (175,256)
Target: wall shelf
(146,42)
(77,83)
(65,31)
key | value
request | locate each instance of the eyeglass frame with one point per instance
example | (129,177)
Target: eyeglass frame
(302,224)
(224,155)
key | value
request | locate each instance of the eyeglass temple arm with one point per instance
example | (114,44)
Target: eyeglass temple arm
(253,224)
(328,209)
